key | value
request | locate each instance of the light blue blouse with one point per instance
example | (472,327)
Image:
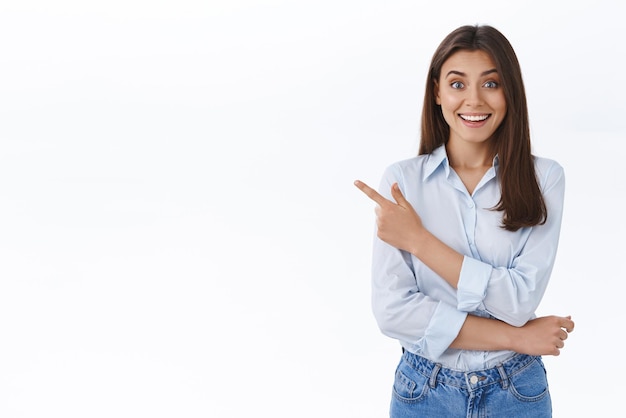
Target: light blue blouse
(504,274)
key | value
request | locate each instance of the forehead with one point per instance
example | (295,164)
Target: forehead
(468,62)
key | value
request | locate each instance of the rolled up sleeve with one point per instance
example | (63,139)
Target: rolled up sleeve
(443,328)
(472,286)
(402,310)
(513,292)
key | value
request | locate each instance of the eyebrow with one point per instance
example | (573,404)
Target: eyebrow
(462,74)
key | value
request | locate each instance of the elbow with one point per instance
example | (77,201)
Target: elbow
(385,321)
(390,329)
(517,319)
(515,322)
(515,306)
(389,321)
(515,314)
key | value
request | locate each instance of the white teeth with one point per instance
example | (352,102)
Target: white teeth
(472,118)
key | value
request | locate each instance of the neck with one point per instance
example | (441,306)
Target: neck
(468,155)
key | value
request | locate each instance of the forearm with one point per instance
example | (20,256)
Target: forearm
(541,336)
(438,256)
(484,334)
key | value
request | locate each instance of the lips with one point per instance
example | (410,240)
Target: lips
(474,118)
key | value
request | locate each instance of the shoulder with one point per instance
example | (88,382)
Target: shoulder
(409,163)
(410,167)
(549,172)
(420,163)
(407,173)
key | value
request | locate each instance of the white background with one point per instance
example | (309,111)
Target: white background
(179,232)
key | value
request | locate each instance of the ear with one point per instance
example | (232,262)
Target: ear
(436,92)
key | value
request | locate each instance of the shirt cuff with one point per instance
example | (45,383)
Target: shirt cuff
(443,328)
(472,286)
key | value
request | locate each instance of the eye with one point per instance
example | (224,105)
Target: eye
(491,84)
(457,85)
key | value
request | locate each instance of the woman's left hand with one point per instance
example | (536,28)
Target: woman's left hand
(398,223)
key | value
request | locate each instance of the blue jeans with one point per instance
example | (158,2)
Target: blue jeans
(516,388)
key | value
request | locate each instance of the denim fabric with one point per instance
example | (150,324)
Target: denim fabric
(517,388)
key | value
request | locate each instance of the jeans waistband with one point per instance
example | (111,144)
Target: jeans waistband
(470,380)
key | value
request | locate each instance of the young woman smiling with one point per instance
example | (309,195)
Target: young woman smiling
(467,234)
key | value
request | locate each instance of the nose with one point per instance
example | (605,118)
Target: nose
(474,96)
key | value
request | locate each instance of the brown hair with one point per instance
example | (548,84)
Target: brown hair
(521,199)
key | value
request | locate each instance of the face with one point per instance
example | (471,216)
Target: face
(470,96)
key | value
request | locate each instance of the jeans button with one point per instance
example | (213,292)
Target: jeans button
(474,379)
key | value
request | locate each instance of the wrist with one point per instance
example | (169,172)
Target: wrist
(511,338)
(420,242)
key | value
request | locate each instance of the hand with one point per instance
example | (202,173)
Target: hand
(543,336)
(398,223)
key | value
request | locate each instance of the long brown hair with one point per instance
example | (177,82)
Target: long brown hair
(521,199)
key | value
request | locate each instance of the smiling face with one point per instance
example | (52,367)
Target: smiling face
(470,96)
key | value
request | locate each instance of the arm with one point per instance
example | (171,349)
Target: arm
(401,227)
(403,312)
(510,293)
(540,336)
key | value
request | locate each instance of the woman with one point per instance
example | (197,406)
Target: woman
(467,234)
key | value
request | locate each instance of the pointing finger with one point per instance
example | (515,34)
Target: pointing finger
(371,193)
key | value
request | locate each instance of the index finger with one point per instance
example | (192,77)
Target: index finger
(371,193)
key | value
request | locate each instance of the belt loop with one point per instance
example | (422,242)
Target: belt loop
(505,378)
(433,376)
